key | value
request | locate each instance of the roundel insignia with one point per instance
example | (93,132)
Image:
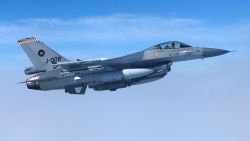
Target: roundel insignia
(41,53)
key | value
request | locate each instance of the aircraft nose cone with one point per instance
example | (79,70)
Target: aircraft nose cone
(211,52)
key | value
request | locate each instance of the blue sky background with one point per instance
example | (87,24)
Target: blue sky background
(201,100)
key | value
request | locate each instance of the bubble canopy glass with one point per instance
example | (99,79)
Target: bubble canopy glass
(170,45)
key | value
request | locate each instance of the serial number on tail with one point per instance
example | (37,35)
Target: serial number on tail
(54,60)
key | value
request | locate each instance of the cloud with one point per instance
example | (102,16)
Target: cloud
(122,28)
(186,101)
(119,34)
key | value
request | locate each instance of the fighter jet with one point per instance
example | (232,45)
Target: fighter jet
(51,71)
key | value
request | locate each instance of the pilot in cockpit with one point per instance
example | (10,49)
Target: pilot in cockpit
(173,45)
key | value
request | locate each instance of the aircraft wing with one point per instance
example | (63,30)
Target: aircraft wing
(83,67)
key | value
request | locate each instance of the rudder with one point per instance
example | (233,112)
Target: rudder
(41,56)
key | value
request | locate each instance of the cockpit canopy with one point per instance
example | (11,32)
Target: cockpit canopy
(170,45)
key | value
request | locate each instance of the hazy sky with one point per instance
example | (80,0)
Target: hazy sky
(201,100)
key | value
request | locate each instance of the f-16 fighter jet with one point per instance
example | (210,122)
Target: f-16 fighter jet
(51,71)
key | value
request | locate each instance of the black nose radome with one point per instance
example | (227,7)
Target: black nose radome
(210,52)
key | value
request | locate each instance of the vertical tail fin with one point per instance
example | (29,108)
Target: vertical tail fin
(41,56)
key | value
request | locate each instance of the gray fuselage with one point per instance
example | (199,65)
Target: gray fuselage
(111,74)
